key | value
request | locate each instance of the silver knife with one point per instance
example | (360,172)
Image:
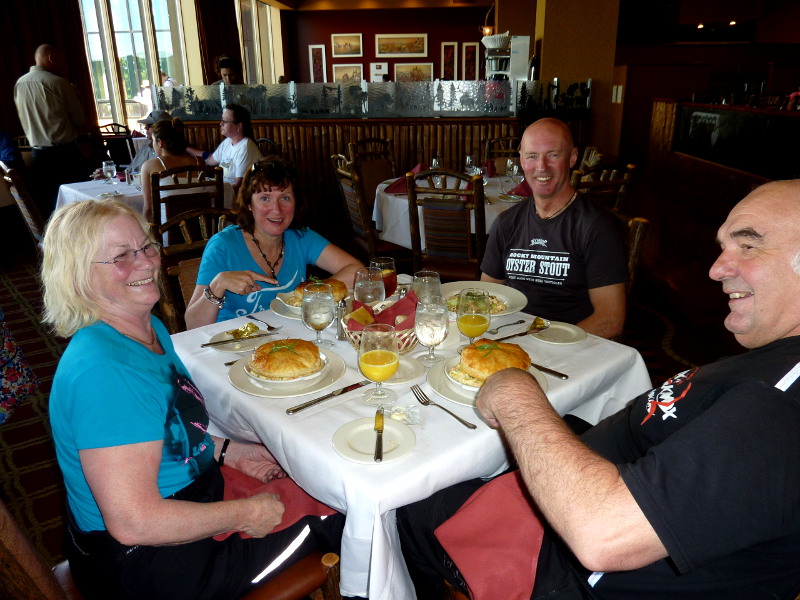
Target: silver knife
(379,434)
(233,340)
(333,394)
(550,371)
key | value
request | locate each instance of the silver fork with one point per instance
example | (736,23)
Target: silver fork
(423,399)
(269,327)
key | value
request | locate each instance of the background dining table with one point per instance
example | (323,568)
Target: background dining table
(390,211)
(603,376)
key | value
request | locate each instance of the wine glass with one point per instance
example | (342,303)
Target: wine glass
(511,163)
(473,312)
(516,174)
(469,164)
(431,324)
(388,272)
(378,359)
(426,283)
(109,170)
(318,309)
(368,287)
(436,163)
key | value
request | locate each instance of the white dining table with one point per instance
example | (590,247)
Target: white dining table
(390,211)
(603,376)
(128,193)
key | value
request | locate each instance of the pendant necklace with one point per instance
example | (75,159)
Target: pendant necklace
(140,340)
(264,256)
(559,211)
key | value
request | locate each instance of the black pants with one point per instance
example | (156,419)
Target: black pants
(202,570)
(53,166)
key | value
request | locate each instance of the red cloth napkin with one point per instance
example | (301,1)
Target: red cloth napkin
(136,134)
(523,189)
(399,186)
(491,170)
(298,503)
(495,539)
(407,306)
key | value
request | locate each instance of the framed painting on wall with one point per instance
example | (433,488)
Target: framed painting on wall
(401,45)
(413,72)
(469,61)
(449,61)
(345,45)
(316,63)
(348,73)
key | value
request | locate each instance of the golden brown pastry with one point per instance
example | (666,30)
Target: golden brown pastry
(485,357)
(339,288)
(286,359)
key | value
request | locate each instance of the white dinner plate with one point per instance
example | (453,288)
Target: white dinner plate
(244,383)
(514,299)
(442,385)
(356,440)
(283,298)
(240,345)
(282,310)
(560,333)
(409,370)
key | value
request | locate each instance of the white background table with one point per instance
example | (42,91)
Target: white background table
(603,376)
(390,211)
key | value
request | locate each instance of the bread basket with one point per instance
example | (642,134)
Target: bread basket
(406,338)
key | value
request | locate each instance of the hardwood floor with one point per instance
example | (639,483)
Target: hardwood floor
(675,321)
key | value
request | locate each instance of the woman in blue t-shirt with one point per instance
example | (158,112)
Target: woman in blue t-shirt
(244,267)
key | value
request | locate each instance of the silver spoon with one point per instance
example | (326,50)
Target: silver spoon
(496,329)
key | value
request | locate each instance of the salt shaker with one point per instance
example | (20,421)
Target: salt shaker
(340,308)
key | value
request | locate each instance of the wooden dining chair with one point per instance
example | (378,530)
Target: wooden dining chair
(194,227)
(183,188)
(118,143)
(30,211)
(607,186)
(373,161)
(449,201)
(590,159)
(501,149)
(269,147)
(365,236)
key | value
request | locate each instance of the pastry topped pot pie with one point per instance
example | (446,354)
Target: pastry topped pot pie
(339,289)
(285,360)
(485,357)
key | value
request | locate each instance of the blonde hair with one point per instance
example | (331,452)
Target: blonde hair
(73,237)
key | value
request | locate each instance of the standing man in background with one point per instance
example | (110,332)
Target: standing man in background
(51,116)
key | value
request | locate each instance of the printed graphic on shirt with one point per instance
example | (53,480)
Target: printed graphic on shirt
(185,438)
(665,398)
(538,266)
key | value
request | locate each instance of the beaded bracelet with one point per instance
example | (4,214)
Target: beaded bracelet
(215,300)
(221,459)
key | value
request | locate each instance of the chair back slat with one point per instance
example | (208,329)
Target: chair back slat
(354,204)
(269,147)
(606,186)
(27,207)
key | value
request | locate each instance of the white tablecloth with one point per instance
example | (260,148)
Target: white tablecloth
(390,212)
(86,190)
(603,376)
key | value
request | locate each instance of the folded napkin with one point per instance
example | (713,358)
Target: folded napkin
(496,550)
(491,170)
(399,186)
(137,134)
(523,189)
(297,502)
(406,306)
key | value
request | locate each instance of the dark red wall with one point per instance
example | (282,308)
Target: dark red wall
(302,28)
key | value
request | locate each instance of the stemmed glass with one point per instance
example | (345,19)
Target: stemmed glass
(378,359)
(426,283)
(319,310)
(431,324)
(474,312)
(368,287)
(436,163)
(512,169)
(388,273)
(109,170)
(469,164)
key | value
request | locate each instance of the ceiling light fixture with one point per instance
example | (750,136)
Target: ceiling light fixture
(700,26)
(487,29)
(732,23)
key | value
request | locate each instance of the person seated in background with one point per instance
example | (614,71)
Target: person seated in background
(560,250)
(166,80)
(146,151)
(169,145)
(238,150)
(229,70)
(691,491)
(245,266)
(143,475)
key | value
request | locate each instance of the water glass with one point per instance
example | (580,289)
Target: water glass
(431,324)
(109,170)
(470,164)
(378,360)
(318,310)
(474,312)
(388,272)
(368,287)
(426,283)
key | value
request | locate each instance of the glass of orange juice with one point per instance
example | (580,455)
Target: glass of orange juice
(474,310)
(378,359)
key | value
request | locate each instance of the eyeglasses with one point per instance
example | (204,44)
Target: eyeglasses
(224,122)
(128,258)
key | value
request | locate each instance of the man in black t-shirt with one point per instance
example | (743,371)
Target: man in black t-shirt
(558,248)
(692,490)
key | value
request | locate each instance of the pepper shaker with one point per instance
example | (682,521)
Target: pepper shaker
(340,308)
